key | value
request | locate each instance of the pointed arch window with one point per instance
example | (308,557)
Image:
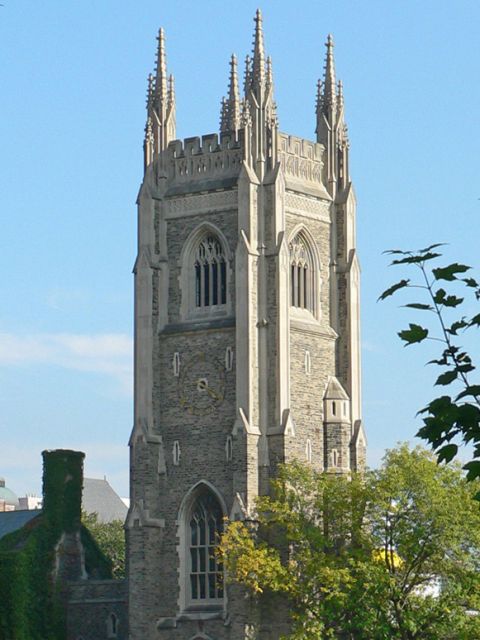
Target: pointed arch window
(206,274)
(210,273)
(205,525)
(302,274)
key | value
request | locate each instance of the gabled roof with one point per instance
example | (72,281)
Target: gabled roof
(335,391)
(13,520)
(100,498)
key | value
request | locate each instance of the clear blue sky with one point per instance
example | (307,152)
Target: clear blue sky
(73,77)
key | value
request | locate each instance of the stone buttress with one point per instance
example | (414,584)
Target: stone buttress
(246,332)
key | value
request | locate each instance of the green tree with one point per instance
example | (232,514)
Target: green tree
(448,420)
(394,554)
(110,537)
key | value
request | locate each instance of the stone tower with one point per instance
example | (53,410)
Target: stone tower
(246,337)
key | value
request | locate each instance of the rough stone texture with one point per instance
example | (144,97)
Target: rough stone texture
(91,604)
(255,188)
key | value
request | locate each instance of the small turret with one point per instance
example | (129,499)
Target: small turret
(337,427)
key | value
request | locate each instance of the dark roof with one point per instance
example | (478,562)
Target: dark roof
(100,498)
(13,520)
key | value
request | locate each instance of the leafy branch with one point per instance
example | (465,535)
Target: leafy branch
(447,421)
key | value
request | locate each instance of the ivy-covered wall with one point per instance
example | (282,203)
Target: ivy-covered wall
(37,560)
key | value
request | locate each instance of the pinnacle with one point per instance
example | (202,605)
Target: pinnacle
(161,70)
(258,51)
(330,83)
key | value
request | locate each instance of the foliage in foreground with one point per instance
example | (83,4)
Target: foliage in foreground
(395,554)
(110,538)
(447,421)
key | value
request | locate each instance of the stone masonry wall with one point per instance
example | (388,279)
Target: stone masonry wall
(90,607)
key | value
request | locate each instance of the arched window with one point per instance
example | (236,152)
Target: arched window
(210,273)
(205,275)
(302,274)
(205,573)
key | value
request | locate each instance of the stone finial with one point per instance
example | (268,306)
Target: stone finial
(269,72)
(248,74)
(319,99)
(171,91)
(230,118)
(258,70)
(340,95)
(223,115)
(150,91)
(246,117)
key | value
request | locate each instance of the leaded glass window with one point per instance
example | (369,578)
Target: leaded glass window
(301,275)
(210,273)
(205,527)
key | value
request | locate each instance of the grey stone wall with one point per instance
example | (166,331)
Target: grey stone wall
(90,605)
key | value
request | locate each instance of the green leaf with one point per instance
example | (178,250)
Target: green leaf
(473,470)
(447,453)
(438,405)
(393,288)
(468,416)
(415,333)
(395,251)
(475,320)
(448,273)
(432,246)
(465,368)
(472,390)
(447,377)
(442,362)
(439,296)
(416,259)
(419,305)
(471,282)
(477,496)
(459,324)
(452,301)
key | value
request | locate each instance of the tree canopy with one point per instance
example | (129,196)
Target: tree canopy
(110,538)
(391,554)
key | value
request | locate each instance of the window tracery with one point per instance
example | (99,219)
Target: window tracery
(302,274)
(205,571)
(210,273)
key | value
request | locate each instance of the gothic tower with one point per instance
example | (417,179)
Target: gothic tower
(246,337)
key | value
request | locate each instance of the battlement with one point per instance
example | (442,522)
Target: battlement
(213,157)
(205,158)
(300,159)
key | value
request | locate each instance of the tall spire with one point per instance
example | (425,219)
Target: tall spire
(258,71)
(330,84)
(160,105)
(331,129)
(161,70)
(261,103)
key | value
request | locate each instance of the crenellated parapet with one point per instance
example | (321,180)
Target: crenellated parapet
(207,158)
(301,159)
